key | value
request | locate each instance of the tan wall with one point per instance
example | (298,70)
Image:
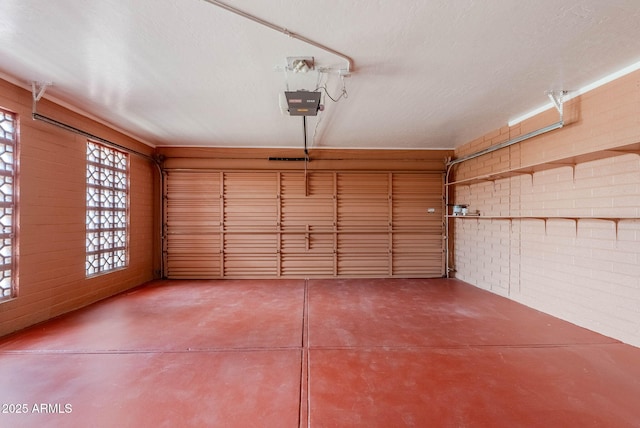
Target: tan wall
(586,271)
(51,239)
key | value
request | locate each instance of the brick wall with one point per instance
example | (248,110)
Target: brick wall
(586,271)
(51,238)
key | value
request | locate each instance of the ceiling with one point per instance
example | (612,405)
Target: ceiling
(426,73)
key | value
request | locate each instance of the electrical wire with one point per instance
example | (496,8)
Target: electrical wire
(315,128)
(343,93)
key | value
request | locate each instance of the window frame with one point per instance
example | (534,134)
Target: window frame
(13,206)
(101,243)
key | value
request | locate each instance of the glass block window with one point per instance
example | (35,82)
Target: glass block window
(7,203)
(107,209)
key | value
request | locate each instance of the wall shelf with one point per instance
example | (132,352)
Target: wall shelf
(576,219)
(570,161)
(531,169)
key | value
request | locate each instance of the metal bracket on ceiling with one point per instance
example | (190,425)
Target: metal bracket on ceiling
(300,64)
(557,98)
(37,91)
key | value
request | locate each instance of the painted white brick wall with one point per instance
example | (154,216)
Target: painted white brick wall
(587,273)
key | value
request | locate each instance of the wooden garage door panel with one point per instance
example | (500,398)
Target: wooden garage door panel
(413,196)
(194,256)
(363,201)
(250,184)
(184,185)
(297,214)
(247,214)
(251,243)
(413,215)
(250,266)
(250,201)
(363,185)
(189,216)
(417,265)
(417,253)
(314,212)
(307,255)
(363,254)
(363,265)
(410,185)
(192,224)
(318,185)
(363,214)
(416,243)
(192,267)
(192,202)
(307,265)
(417,239)
(279,224)
(250,255)
(363,243)
(301,243)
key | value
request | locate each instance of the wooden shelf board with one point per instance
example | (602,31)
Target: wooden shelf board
(503,217)
(570,161)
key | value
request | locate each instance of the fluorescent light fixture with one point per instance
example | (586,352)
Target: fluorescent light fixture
(607,79)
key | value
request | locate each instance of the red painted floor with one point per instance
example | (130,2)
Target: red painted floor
(318,353)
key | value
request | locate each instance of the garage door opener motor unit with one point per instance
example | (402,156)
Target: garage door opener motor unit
(303,103)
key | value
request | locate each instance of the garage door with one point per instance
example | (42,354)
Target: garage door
(271,224)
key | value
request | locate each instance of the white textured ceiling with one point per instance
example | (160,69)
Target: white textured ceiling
(427,73)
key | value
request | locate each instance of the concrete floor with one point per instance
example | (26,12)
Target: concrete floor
(319,353)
